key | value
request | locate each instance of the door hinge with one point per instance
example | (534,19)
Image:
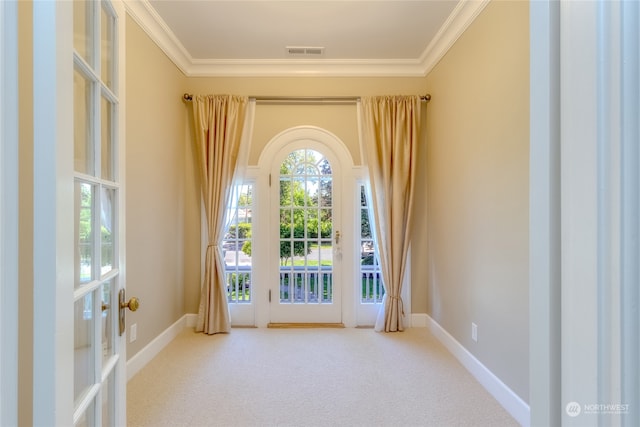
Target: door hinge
(269,180)
(269,295)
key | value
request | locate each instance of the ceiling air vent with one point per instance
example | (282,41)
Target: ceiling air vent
(306,51)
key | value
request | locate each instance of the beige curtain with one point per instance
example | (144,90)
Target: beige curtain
(390,129)
(218,121)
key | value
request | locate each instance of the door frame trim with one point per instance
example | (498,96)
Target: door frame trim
(9,213)
(52,225)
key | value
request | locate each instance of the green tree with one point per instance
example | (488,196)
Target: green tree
(302,215)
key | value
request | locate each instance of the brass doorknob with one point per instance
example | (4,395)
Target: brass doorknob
(132,304)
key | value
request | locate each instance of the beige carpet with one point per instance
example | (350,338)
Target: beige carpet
(309,377)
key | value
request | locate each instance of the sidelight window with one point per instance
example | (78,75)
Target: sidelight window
(236,245)
(370,272)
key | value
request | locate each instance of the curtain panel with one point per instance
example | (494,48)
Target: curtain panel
(218,126)
(390,133)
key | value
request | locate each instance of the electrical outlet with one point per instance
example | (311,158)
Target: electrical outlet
(474,332)
(133,332)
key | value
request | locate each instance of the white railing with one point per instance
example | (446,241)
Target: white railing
(238,279)
(372,287)
(298,284)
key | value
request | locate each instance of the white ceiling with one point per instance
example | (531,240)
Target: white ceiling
(359,37)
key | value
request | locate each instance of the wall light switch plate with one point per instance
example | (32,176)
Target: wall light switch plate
(133,332)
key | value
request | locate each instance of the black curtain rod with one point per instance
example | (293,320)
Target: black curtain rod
(306,99)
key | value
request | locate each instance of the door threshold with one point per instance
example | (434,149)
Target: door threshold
(304,325)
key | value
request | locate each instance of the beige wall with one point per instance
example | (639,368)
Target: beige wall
(477,169)
(163,236)
(270,120)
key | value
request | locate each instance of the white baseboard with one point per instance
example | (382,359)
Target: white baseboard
(192,319)
(144,356)
(511,402)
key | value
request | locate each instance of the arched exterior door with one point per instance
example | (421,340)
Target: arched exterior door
(304,230)
(306,217)
(313,259)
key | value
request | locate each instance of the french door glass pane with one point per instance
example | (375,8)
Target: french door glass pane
(108,400)
(370,270)
(88,417)
(108,301)
(106,139)
(326,223)
(306,253)
(83,29)
(107,232)
(325,192)
(106,46)
(84,233)
(84,359)
(326,252)
(82,108)
(237,244)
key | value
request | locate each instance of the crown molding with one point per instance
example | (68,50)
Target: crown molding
(462,16)
(151,23)
(465,12)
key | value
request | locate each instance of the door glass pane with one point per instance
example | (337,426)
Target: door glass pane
(83,131)
(107,232)
(84,358)
(106,139)
(107,46)
(326,223)
(306,252)
(88,417)
(370,270)
(108,400)
(84,236)
(325,192)
(108,307)
(236,245)
(83,29)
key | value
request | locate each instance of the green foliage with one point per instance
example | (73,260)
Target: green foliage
(243,231)
(242,280)
(305,213)
(300,216)
(246,247)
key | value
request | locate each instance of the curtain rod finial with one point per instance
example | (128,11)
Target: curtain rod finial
(187,97)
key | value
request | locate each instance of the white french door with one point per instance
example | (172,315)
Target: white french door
(98,215)
(79,359)
(306,244)
(314,249)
